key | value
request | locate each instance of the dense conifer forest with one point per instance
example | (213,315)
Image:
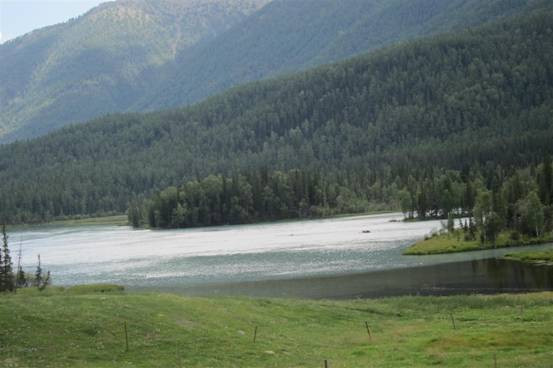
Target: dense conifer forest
(478,102)
(519,201)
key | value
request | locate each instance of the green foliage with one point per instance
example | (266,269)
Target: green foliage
(423,117)
(486,217)
(521,221)
(257,196)
(406,203)
(546,182)
(530,215)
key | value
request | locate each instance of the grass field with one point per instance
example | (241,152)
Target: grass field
(453,243)
(83,327)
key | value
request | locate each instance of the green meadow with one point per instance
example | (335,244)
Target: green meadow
(85,327)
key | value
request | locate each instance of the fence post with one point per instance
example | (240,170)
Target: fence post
(255,334)
(453,321)
(368,330)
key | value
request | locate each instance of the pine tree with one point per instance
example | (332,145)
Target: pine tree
(45,282)
(8,281)
(20,278)
(546,182)
(38,274)
(2,277)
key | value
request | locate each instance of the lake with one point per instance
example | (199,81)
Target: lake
(338,257)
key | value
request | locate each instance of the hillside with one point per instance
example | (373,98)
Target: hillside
(101,61)
(145,55)
(83,328)
(288,36)
(482,98)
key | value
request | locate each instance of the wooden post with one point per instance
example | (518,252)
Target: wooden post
(453,321)
(126,337)
(254,334)
(368,330)
(326,363)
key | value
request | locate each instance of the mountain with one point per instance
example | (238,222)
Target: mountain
(287,36)
(102,61)
(480,98)
(146,55)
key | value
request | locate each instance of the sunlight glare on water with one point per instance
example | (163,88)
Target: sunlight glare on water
(226,253)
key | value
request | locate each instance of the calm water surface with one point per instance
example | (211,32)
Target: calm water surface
(316,258)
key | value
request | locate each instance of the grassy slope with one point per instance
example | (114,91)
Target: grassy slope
(447,243)
(82,329)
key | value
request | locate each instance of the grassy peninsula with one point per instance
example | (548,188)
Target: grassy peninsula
(540,257)
(455,242)
(84,327)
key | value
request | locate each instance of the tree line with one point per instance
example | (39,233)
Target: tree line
(252,197)
(520,200)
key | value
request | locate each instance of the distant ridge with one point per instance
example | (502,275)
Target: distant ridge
(101,61)
(146,55)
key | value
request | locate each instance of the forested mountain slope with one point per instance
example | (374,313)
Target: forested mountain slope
(102,61)
(287,36)
(144,55)
(483,97)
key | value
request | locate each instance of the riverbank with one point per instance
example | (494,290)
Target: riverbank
(336,216)
(541,258)
(122,220)
(84,327)
(115,220)
(454,243)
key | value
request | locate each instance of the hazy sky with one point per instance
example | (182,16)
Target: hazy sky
(18,17)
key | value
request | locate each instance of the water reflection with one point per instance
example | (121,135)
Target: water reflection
(476,276)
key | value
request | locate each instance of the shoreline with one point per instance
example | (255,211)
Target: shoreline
(453,243)
(122,220)
(442,279)
(112,220)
